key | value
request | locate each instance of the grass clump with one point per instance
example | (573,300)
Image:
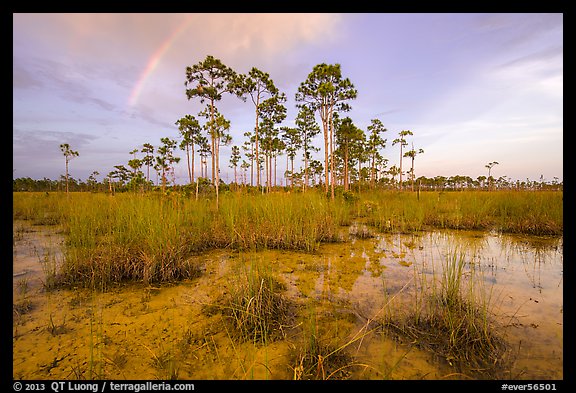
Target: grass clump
(255,307)
(456,325)
(278,221)
(319,360)
(320,357)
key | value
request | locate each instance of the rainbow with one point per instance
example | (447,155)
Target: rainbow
(155,60)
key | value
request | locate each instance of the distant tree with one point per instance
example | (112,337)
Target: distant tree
(292,140)
(278,148)
(203,151)
(68,155)
(137,177)
(308,129)
(393,171)
(166,159)
(209,80)
(402,143)
(234,159)
(190,130)
(248,147)
(359,152)
(92,181)
(272,112)
(325,91)
(489,166)
(148,159)
(260,87)
(218,128)
(481,180)
(122,174)
(111,187)
(316,169)
(412,154)
(245,165)
(347,134)
(373,145)
(135,164)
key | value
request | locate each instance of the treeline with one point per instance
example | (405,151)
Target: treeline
(437,183)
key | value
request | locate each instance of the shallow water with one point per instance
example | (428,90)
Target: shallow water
(144,332)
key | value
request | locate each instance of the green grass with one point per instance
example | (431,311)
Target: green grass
(321,355)
(255,308)
(454,321)
(529,212)
(150,238)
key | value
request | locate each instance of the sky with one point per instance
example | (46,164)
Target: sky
(472,88)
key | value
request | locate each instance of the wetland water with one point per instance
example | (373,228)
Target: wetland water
(161,332)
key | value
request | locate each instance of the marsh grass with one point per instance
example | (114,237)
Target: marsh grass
(321,360)
(279,221)
(56,329)
(453,321)
(255,308)
(22,305)
(360,231)
(41,208)
(150,238)
(531,212)
(49,263)
(125,239)
(320,354)
(165,364)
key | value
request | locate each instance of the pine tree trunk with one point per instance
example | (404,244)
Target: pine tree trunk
(346,167)
(332,172)
(256,136)
(188,162)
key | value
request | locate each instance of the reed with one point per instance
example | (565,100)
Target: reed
(125,238)
(534,213)
(41,208)
(255,308)
(22,304)
(150,237)
(456,324)
(530,212)
(278,221)
(320,356)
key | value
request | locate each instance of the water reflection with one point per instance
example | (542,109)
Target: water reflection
(521,276)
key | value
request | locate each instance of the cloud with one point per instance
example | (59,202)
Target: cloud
(57,79)
(243,41)
(512,31)
(22,79)
(549,54)
(272,33)
(538,73)
(101,37)
(36,152)
(23,140)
